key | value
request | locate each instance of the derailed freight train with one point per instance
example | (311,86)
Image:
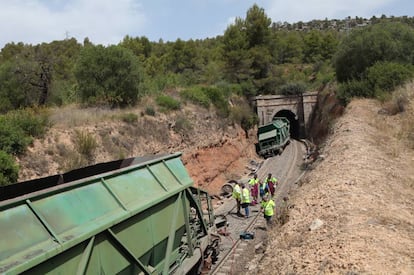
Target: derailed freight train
(273,137)
(132,216)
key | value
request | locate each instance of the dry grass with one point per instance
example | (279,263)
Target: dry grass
(400,103)
(73,115)
(405,98)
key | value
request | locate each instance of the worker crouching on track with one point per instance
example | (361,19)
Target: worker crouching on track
(245,199)
(237,192)
(268,208)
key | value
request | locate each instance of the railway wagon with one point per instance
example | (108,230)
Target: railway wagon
(273,137)
(132,216)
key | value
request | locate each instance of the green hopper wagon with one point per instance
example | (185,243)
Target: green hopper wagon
(273,137)
(133,216)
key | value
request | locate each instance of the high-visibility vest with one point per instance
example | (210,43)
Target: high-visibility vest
(272,180)
(245,196)
(236,191)
(253,181)
(268,207)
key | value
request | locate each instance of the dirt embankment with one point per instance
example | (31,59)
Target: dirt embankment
(354,213)
(213,149)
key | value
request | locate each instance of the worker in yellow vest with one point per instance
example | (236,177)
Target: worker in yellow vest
(271,184)
(254,188)
(237,196)
(245,199)
(268,207)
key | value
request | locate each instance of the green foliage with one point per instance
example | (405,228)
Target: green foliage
(129,118)
(379,80)
(15,92)
(13,139)
(197,95)
(287,47)
(149,110)
(85,144)
(35,75)
(108,76)
(293,89)
(319,46)
(168,102)
(244,116)
(235,53)
(18,128)
(386,42)
(353,88)
(386,76)
(33,121)
(9,170)
(219,95)
(140,46)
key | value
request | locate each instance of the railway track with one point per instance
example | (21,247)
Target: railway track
(286,167)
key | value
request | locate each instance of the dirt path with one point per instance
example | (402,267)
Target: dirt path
(354,213)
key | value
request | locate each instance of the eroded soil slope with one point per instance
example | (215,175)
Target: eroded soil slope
(213,149)
(354,213)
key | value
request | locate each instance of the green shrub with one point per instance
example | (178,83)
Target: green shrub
(197,95)
(149,110)
(9,170)
(244,116)
(386,76)
(97,82)
(13,139)
(33,121)
(354,88)
(168,102)
(85,144)
(129,118)
(219,97)
(292,89)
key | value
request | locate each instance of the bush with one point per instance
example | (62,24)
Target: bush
(219,97)
(292,89)
(168,102)
(149,110)
(9,171)
(244,116)
(386,76)
(354,88)
(33,121)
(129,118)
(378,81)
(13,139)
(196,95)
(85,144)
(109,76)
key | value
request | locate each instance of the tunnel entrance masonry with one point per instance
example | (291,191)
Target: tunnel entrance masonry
(297,109)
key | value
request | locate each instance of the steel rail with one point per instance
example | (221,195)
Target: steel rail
(263,171)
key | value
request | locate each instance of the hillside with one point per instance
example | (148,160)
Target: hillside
(354,212)
(214,150)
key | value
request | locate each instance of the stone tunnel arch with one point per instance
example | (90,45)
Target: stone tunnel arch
(294,122)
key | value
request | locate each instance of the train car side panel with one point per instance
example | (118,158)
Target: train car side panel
(126,221)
